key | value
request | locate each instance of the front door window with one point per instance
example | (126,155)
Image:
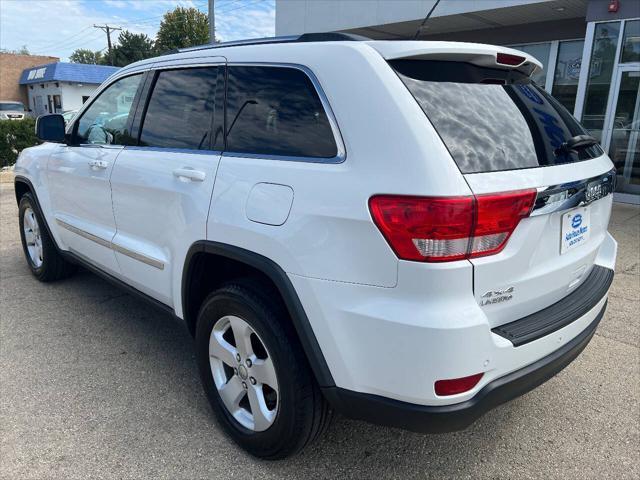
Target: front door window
(105,122)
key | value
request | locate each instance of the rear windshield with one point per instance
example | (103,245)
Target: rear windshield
(491,119)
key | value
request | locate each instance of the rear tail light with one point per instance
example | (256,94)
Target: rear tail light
(508,59)
(498,216)
(442,229)
(457,385)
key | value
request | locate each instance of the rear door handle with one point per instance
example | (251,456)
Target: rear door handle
(101,164)
(189,174)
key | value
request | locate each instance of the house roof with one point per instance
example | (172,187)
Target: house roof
(67,72)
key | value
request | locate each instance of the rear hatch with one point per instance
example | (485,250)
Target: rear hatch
(506,134)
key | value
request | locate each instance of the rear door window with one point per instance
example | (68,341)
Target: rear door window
(491,119)
(181,110)
(276,111)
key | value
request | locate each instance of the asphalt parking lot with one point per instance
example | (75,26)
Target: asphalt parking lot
(96,384)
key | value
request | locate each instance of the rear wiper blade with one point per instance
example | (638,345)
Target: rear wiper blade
(576,143)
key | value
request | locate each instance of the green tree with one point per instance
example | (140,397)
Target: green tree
(132,47)
(183,27)
(83,55)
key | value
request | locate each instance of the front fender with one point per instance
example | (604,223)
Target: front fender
(31,170)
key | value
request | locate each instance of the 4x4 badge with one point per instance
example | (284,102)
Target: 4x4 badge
(497,296)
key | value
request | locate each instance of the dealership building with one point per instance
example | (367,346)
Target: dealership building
(590,50)
(59,87)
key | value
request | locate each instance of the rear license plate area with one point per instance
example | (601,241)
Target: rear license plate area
(576,228)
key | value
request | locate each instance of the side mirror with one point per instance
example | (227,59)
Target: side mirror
(50,128)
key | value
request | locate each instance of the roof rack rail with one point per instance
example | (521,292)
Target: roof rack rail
(305,37)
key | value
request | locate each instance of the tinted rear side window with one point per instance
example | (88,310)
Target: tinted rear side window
(180,110)
(276,111)
(492,119)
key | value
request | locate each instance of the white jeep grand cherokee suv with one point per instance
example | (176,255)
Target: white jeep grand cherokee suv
(406,232)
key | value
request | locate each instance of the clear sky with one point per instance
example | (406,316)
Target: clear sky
(58,27)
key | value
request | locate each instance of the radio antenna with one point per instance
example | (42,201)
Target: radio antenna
(415,37)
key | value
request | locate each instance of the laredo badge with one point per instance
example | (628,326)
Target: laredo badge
(497,296)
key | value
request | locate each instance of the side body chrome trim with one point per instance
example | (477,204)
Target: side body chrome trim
(82,233)
(138,256)
(113,246)
(573,194)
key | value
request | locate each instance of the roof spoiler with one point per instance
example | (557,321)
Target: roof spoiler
(488,56)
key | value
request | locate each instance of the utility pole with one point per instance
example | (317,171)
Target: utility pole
(107,29)
(212,22)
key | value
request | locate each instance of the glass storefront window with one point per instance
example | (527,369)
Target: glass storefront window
(624,148)
(541,52)
(567,73)
(631,42)
(603,56)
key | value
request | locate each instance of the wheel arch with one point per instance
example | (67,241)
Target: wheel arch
(203,254)
(23,185)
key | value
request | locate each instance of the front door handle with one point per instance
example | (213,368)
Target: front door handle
(189,174)
(98,164)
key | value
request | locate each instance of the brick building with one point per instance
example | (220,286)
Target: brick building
(11,68)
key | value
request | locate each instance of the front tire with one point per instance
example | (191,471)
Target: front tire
(255,374)
(44,260)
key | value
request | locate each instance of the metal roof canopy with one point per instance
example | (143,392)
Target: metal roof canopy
(514,15)
(67,72)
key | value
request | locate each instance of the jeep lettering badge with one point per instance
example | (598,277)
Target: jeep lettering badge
(597,190)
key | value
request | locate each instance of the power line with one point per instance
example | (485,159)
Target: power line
(148,21)
(144,20)
(108,29)
(68,45)
(154,18)
(229,3)
(232,2)
(242,6)
(63,40)
(88,37)
(84,36)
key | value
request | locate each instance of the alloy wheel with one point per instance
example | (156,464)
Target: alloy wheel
(243,373)
(32,237)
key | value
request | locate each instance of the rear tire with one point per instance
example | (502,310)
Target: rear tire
(299,413)
(44,260)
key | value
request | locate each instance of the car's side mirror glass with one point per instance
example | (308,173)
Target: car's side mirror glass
(50,128)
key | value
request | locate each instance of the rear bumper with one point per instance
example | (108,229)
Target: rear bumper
(560,314)
(447,418)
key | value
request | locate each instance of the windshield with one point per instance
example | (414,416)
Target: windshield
(491,119)
(11,106)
